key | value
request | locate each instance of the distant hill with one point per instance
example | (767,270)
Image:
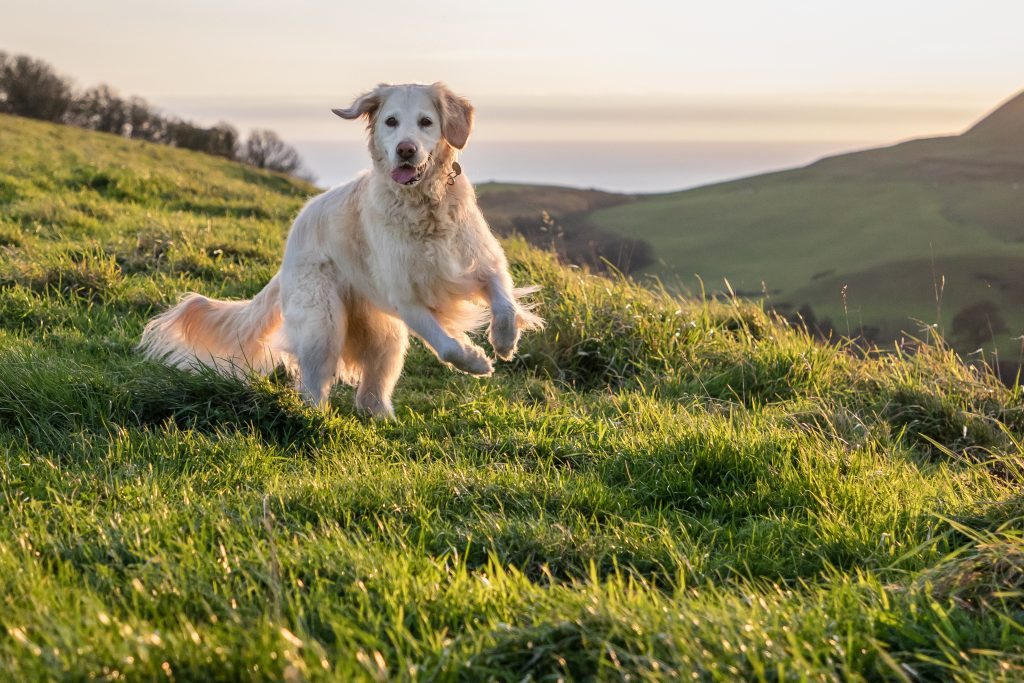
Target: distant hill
(1005,123)
(555,218)
(929,230)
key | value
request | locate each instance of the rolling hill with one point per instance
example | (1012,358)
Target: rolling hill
(658,488)
(555,218)
(926,230)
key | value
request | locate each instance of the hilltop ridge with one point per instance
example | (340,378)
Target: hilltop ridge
(1005,123)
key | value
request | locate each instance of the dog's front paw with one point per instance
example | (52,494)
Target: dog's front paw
(504,335)
(469,359)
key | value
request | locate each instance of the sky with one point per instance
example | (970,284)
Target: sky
(633,96)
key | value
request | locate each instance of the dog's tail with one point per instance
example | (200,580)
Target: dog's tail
(230,336)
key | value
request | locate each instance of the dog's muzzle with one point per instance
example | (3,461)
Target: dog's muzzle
(407,174)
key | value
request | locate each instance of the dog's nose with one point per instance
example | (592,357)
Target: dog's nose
(406,149)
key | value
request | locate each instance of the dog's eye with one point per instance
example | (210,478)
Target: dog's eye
(425,122)
(391,122)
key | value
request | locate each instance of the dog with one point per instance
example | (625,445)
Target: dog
(403,247)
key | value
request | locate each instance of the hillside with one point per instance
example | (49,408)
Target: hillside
(657,488)
(866,239)
(555,218)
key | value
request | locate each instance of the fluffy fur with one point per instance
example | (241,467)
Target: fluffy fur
(400,248)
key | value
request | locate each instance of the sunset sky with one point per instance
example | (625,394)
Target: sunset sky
(789,80)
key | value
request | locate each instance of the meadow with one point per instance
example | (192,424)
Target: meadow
(657,488)
(879,242)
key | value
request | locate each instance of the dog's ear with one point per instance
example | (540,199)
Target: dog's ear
(456,115)
(365,105)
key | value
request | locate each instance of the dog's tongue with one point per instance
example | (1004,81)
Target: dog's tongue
(403,174)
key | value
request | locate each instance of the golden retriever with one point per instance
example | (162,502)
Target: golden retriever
(402,247)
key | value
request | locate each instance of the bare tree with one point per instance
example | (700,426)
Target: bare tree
(221,140)
(29,87)
(264,149)
(144,122)
(100,108)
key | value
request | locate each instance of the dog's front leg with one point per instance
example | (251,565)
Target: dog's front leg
(465,356)
(504,330)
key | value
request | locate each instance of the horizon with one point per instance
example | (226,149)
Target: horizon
(782,82)
(744,139)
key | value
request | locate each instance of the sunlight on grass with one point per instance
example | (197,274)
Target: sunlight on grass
(656,488)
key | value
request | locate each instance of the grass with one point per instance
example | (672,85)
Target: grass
(868,239)
(656,488)
(810,237)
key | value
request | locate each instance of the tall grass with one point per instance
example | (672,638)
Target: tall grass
(656,488)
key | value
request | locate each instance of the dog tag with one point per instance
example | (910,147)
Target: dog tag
(456,172)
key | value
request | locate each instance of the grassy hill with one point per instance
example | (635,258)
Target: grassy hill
(555,218)
(657,488)
(922,230)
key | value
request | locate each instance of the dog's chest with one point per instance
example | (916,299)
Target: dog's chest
(429,269)
(423,248)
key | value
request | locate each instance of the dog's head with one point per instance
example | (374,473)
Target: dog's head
(409,125)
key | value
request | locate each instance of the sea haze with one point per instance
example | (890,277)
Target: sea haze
(654,143)
(634,167)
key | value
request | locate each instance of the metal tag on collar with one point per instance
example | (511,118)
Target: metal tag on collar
(456,172)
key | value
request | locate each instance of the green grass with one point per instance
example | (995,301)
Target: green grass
(804,237)
(656,488)
(865,239)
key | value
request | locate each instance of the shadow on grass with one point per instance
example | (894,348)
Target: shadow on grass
(207,401)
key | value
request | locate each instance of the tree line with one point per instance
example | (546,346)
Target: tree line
(30,87)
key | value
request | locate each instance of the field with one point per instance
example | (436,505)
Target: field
(657,488)
(554,218)
(878,242)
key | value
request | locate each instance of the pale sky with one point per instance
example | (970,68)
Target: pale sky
(827,75)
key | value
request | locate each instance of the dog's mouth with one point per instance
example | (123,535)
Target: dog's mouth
(407,174)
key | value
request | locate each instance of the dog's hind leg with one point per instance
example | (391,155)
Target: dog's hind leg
(314,325)
(377,344)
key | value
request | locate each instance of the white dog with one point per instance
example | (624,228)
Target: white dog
(401,248)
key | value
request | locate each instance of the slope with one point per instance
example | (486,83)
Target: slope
(657,488)
(901,232)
